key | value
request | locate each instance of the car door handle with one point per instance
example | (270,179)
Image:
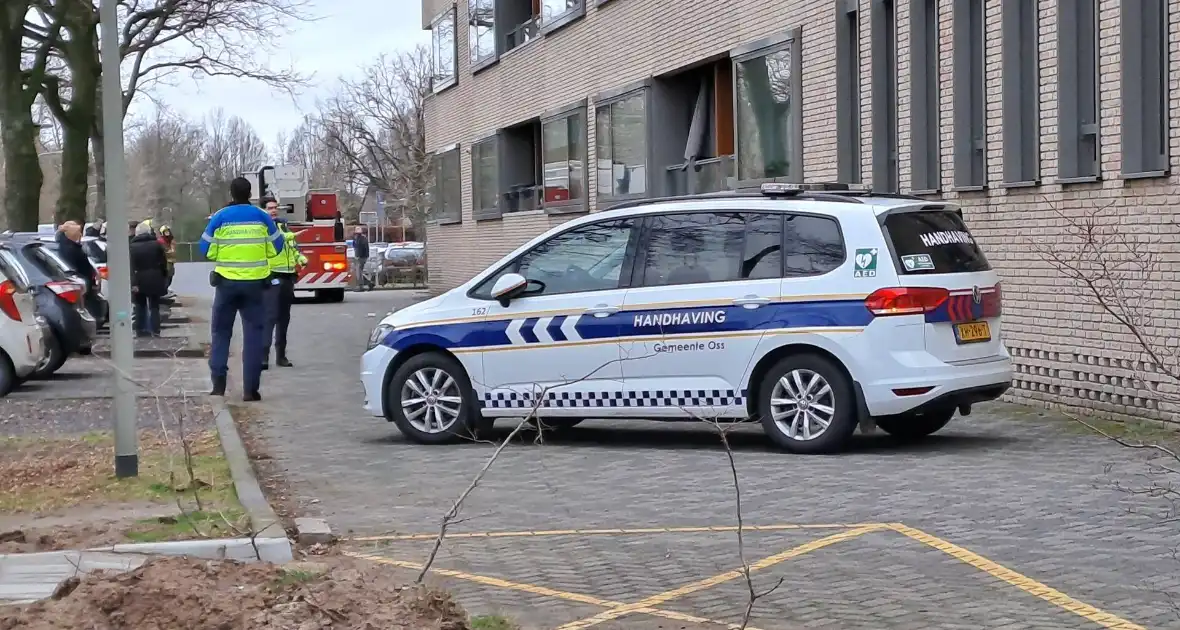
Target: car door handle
(752,301)
(602,310)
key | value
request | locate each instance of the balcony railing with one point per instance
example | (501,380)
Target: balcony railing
(708,175)
(523,34)
(523,198)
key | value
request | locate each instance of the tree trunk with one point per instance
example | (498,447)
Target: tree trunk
(75,171)
(22,173)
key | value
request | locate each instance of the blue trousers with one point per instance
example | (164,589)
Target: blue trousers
(245,297)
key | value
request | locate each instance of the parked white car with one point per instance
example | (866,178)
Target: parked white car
(22,330)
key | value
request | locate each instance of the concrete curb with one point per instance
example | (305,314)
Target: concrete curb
(246,484)
(274,550)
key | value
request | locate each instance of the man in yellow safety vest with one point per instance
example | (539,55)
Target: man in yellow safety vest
(284,267)
(240,239)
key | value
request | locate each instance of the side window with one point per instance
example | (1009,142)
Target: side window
(763,253)
(693,248)
(588,258)
(813,245)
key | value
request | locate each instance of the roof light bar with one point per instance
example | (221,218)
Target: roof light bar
(772,189)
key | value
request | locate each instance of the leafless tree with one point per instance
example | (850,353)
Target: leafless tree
(375,127)
(232,147)
(164,160)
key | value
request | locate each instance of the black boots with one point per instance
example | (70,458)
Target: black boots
(251,397)
(218,386)
(282,361)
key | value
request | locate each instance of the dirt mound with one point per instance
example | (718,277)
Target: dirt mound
(196,594)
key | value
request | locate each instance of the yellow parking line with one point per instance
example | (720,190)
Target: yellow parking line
(1020,581)
(688,589)
(546,592)
(615,531)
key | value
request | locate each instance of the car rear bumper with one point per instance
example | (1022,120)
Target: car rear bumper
(374,365)
(26,358)
(950,385)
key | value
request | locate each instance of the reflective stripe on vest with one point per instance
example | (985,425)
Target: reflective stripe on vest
(240,250)
(289,259)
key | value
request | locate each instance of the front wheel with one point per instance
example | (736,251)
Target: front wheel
(915,426)
(806,405)
(431,400)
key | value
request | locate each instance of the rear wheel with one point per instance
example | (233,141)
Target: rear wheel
(914,426)
(806,405)
(8,379)
(431,400)
(55,357)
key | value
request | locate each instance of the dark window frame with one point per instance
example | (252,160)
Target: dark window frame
(839,231)
(496,211)
(1078,82)
(605,100)
(792,41)
(480,63)
(565,113)
(437,85)
(1145,100)
(448,152)
(848,103)
(570,15)
(925,109)
(644,244)
(885,159)
(625,273)
(970,95)
(1020,69)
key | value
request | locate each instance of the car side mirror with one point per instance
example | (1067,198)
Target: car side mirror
(508,286)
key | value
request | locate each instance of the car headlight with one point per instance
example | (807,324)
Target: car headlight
(379,333)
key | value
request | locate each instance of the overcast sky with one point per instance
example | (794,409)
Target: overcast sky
(349,35)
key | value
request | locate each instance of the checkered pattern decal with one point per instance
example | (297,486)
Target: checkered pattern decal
(638,399)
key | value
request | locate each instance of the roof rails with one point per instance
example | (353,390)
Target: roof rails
(826,191)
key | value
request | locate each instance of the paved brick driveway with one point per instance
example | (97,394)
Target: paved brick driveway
(1007,520)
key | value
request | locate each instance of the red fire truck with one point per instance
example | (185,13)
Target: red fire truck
(312,215)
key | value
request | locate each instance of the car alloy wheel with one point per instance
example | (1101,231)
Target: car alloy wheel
(803,404)
(431,400)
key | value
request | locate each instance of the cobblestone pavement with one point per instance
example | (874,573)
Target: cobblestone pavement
(1031,495)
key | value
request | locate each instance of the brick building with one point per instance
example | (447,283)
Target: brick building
(1015,109)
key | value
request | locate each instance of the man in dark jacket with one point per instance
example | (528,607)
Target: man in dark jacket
(69,248)
(149,279)
(360,249)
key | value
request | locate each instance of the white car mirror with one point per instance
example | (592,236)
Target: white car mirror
(508,286)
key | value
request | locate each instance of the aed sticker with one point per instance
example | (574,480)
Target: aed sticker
(865,263)
(917,262)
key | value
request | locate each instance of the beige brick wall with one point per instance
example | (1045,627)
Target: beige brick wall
(1067,351)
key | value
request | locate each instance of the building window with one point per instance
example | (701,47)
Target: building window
(1145,87)
(482,30)
(485,179)
(443,51)
(621,146)
(563,149)
(970,143)
(769,119)
(1021,92)
(884,35)
(558,13)
(925,152)
(1077,90)
(848,91)
(448,190)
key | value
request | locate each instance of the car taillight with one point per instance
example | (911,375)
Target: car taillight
(993,303)
(103,273)
(905,300)
(68,291)
(8,302)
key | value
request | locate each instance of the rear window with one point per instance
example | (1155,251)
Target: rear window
(48,263)
(12,270)
(933,241)
(95,250)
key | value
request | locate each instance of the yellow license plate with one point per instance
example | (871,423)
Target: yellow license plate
(973,332)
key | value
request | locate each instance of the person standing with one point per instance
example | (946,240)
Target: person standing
(284,268)
(239,239)
(167,241)
(69,247)
(360,249)
(149,272)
